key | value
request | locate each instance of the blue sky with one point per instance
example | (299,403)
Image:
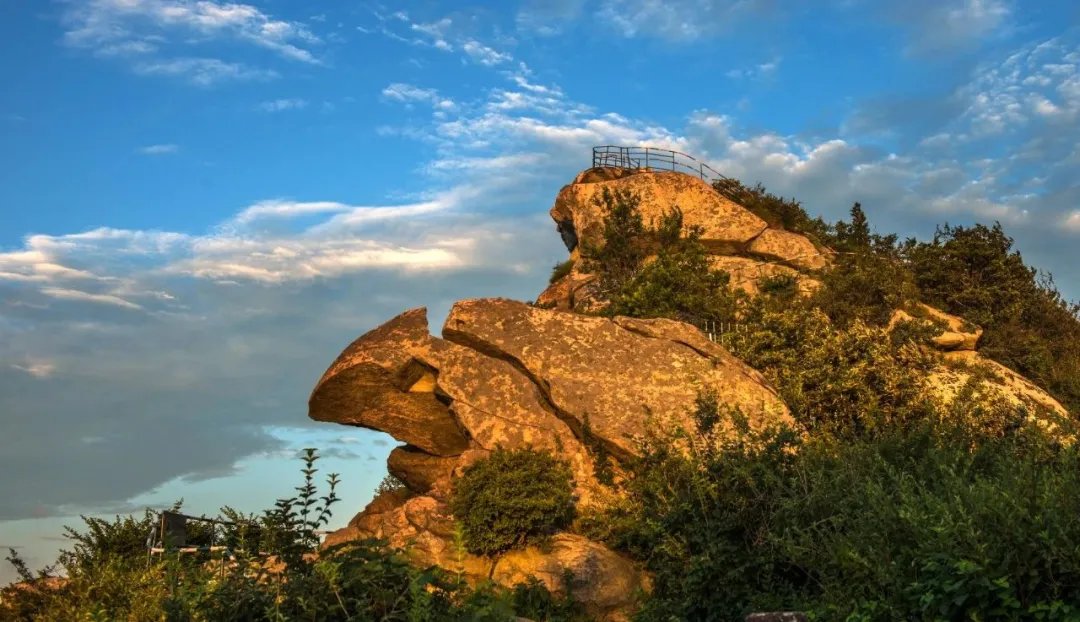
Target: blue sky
(203,202)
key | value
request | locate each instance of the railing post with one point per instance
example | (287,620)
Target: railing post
(646,158)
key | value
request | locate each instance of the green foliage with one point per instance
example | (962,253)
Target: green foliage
(512,498)
(560,270)
(868,279)
(779,213)
(625,246)
(679,283)
(109,576)
(532,600)
(657,271)
(918,523)
(975,273)
(843,382)
(391,484)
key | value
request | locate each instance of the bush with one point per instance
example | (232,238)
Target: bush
(868,279)
(779,213)
(841,381)
(657,271)
(109,577)
(511,499)
(975,273)
(560,270)
(679,283)
(924,523)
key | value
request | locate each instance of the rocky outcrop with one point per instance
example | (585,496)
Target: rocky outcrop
(790,248)
(507,374)
(950,333)
(618,379)
(739,242)
(726,226)
(990,379)
(599,576)
(369,385)
(749,275)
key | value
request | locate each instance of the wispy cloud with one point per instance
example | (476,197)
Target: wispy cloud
(37,369)
(758,71)
(148,31)
(677,20)
(81,296)
(409,93)
(1072,221)
(203,71)
(934,26)
(485,55)
(281,105)
(160,149)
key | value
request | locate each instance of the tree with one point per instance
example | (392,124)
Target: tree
(512,498)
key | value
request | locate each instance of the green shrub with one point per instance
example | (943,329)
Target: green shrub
(868,279)
(841,381)
(919,523)
(779,213)
(975,273)
(110,578)
(512,498)
(657,271)
(624,245)
(560,270)
(679,283)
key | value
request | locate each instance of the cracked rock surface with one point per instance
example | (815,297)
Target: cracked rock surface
(508,374)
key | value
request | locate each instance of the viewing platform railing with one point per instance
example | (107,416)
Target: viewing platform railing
(653,159)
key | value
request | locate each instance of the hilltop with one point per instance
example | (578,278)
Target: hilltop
(683,299)
(718,405)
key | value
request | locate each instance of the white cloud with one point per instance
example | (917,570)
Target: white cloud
(485,55)
(1038,82)
(36,368)
(409,93)
(160,149)
(281,105)
(279,208)
(148,31)
(203,71)
(759,71)
(676,20)
(937,25)
(1071,221)
(77,295)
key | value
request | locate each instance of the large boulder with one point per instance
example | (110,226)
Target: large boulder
(749,274)
(739,242)
(790,248)
(499,406)
(619,382)
(602,580)
(962,369)
(726,225)
(507,374)
(378,382)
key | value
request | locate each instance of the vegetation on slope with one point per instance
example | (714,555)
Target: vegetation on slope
(884,505)
(511,499)
(974,273)
(928,522)
(274,575)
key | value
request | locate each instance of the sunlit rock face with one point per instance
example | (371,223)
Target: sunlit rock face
(508,374)
(739,242)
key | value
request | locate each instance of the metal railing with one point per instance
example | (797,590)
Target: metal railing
(653,159)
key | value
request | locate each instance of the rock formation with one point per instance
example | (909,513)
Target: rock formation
(512,375)
(740,242)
